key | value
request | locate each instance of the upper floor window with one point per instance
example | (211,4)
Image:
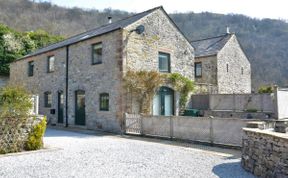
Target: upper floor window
(104,102)
(97,53)
(227,67)
(51,63)
(47,99)
(164,62)
(198,69)
(30,68)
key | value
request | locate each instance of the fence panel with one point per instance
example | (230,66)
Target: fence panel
(192,128)
(228,131)
(157,126)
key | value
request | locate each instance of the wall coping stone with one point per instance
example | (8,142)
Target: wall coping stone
(267,132)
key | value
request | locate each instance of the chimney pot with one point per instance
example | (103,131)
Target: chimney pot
(227,30)
(109,19)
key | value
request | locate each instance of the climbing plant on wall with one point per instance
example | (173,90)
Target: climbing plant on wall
(143,85)
(183,85)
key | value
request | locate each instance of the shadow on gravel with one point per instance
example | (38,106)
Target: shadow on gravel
(233,169)
(227,153)
(72,133)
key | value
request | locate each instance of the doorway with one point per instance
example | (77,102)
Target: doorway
(80,107)
(60,107)
(163,102)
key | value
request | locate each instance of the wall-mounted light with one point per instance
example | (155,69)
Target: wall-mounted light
(139,29)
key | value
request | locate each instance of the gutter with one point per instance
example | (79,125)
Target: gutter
(66,86)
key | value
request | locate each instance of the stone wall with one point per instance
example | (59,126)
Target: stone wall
(93,79)
(209,70)
(122,50)
(141,51)
(265,153)
(160,35)
(233,81)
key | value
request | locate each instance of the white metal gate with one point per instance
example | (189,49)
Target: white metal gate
(133,124)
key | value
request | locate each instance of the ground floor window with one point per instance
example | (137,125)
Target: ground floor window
(104,102)
(47,99)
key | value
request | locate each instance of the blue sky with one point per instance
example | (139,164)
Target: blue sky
(254,8)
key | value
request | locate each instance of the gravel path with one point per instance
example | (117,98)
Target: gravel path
(84,155)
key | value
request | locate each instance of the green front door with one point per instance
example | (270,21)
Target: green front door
(163,102)
(60,107)
(80,107)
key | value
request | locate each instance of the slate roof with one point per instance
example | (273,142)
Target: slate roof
(94,32)
(210,46)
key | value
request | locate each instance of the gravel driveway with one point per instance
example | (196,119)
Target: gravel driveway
(98,155)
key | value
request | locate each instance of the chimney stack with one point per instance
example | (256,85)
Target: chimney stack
(227,30)
(109,19)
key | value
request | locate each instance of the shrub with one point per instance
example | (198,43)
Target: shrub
(15,103)
(251,110)
(265,89)
(35,137)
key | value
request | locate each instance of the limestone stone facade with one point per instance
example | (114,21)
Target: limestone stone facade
(264,153)
(122,49)
(225,67)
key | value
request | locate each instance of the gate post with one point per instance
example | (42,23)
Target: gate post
(141,124)
(211,132)
(171,127)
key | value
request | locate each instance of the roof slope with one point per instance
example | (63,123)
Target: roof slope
(210,46)
(95,32)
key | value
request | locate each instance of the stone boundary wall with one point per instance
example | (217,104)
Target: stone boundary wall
(265,153)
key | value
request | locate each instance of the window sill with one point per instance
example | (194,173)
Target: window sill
(103,110)
(96,63)
(164,71)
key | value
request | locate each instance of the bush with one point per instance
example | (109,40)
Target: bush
(265,89)
(15,103)
(35,137)
(251,110)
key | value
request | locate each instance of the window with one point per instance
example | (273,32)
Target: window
(51,62)
(30,68)
(104,102)
(164,62)
(97,53)
(198,69)
(47,99)
(227,67)
(242,70)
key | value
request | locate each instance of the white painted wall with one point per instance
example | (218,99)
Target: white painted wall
(282,103)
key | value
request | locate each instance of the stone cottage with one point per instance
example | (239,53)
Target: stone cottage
(79,80)
(221,66)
